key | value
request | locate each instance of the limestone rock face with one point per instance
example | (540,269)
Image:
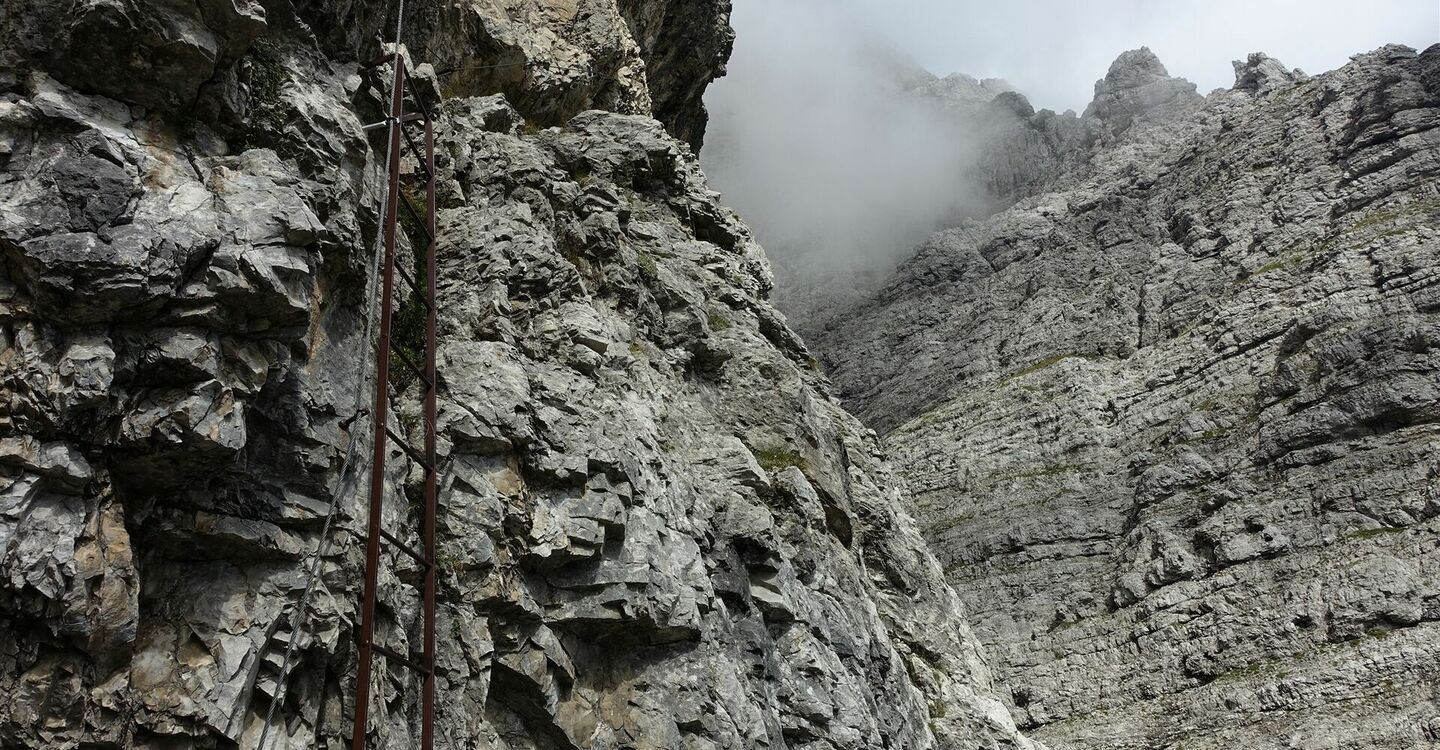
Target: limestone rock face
(685,45)
(1173,424)
(657,529)
(1137,84)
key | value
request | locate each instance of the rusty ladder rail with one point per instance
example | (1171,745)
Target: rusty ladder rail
(399,139)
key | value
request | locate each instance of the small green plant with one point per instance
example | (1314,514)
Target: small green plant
(646,262)
(718,322)
(450,563)
(773,460)
(266,114)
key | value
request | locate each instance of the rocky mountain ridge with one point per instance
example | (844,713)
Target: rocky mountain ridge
(658,528)
(1172,421)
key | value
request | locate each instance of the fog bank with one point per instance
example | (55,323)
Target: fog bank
(813,143)
(1053,50)
(839,173)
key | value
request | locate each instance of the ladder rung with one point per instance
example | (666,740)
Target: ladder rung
(387,121)
(419,458)
(403,547)
(414,285)
(395,657)
(410,363)
(414,214)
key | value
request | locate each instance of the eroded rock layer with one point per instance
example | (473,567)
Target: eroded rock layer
(657,529)
(1173,427)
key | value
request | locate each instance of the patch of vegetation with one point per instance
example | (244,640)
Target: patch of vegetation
(1267,667)
(407,325)
(949,523)
(646,262)
(1285,263)
(932,417)
(1216,432)
(531,128)
(266,113)
(574,249)
(718,322)
(451,564)
(1376,218)
(1372,533)
(773,460)
(1047,471)
(1276,265)
(1037,367)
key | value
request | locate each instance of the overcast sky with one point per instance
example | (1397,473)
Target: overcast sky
(1053,50)
(835,170)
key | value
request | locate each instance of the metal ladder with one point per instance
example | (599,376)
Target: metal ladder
(401,139)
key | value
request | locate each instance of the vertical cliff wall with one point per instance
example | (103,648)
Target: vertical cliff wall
(658,529)
(1171,425)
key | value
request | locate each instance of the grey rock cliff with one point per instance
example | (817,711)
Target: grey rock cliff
(657,530)
(1173,424)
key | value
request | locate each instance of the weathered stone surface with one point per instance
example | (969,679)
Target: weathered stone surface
(1172,425)
(685,45)
(1137,84)
(657,528)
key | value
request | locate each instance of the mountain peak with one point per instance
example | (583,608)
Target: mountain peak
(1132,68)
(1136,84)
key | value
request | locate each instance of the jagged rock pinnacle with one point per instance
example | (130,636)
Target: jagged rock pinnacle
(1260,73)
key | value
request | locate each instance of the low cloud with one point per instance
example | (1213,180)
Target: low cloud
(814,144)
(839,173)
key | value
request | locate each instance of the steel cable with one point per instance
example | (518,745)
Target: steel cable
(342,483)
